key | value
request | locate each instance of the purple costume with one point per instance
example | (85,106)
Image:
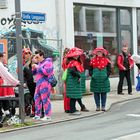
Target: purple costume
(43,88)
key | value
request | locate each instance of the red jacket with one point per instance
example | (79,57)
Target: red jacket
(120,60)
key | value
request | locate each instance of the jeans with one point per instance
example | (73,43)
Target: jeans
(100,97)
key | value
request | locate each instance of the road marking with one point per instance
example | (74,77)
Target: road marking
(133,115)
(135,136)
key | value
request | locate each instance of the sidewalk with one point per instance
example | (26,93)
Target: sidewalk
(58,114)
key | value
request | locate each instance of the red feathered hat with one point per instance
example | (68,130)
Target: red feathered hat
(74,52)
(100,49)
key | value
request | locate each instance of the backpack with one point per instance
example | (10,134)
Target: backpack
(52,80)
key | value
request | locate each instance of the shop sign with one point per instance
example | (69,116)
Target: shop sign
(89,38)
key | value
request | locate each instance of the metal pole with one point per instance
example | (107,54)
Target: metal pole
(19,58)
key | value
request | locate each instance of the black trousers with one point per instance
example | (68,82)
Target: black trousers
(5,105)
(73,104)
(122,75)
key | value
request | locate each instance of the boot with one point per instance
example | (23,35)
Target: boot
(84,109)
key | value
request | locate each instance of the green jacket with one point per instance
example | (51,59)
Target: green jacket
(75,87)
(100,81)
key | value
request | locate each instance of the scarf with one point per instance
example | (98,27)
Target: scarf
(76,64)
(99,62)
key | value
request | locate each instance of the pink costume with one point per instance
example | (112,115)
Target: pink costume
(43,88)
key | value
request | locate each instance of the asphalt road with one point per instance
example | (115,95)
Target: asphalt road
(123,119)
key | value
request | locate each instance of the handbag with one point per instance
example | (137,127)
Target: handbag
(64,76)
(52,80)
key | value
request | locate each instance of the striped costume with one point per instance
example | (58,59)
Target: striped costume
(43,87)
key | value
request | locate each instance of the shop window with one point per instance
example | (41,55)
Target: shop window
(78,18)
(110,44)
(125,17)
(109,24)
(126,37)
(92,20)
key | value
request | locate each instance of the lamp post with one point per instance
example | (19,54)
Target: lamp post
(19,58)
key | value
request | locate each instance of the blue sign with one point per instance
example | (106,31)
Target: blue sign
(33,16)
(1,47)
(89,36)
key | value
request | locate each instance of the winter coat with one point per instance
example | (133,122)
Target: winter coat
(100,81)
(75,82)
(120,61)
(6,79)
(100,69)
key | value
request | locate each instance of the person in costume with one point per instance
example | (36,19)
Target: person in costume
(136,59)
(100,69)
(125,64)
(66,99)
(6,79)
(75,82)
(28,78)
(42,71)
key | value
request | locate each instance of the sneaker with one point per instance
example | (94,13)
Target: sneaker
(36,117)
(14,120)
(46,118)
(130,93)
(103,109)
(75,113)
(98,109)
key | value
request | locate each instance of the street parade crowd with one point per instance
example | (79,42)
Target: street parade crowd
(40,80)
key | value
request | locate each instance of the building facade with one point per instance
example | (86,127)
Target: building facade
(86,24)
(89,24)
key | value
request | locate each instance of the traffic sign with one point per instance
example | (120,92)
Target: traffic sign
(33,16)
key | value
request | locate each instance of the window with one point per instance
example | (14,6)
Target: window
(92,20)
(3,4)
(125,17)
(78,15)
(108,19)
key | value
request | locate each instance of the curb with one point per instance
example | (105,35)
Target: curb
(66,120)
